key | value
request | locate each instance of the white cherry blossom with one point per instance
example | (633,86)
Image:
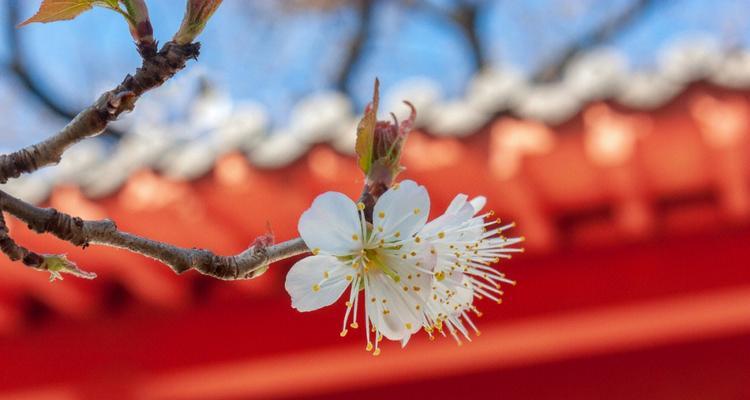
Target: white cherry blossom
(465,244)
(385,259)
(413,274)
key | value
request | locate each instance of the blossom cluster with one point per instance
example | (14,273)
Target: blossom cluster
(403,273)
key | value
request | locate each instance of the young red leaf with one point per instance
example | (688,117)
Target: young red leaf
(59,10)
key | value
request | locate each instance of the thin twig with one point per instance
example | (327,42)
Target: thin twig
(245,265)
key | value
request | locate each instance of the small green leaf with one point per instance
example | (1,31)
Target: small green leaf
(366,132)
(60,10)
(58,264)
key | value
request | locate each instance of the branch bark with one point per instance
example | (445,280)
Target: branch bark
(246,265)
(155,70)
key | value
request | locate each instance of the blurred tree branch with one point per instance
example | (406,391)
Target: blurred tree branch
(353,53)
(465,17)
(553,70)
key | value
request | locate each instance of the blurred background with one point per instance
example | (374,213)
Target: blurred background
(614,133)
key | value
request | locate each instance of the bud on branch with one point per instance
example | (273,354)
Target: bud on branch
(197,14)
(379,145)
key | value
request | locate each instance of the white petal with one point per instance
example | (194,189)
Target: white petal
(457,203)
(457,213)
(308,285)
(402,209)
(332,225)
(405,340)
(402,317)
(478,203)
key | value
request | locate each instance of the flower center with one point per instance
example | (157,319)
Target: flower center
(372,261)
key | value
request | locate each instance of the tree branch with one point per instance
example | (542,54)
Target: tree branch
(14,251)
(245,265)
(155,70)
(18,68)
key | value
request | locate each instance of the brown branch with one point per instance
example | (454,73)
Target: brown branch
(156,69)
(245,265)
(15,252)
(17,66)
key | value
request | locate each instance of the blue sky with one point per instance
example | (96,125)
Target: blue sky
(256,51)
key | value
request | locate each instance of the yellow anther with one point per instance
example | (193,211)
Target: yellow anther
(315,287)
(417,239)
(397,278)
(380,229)
(315,251)
(325,274)
(386,312)
(354,325)
(499,301)
(479,333)
(418,307)
(381,214)
(343,333)
(413,253)
(348,303)
(361,206)
(355,237)
(407,325)
(385,301)
(376,352)
(349,278)
(406,288)
(397,234)
(416,288)
(403,256)
(369,346)
(372,299)
(416,211)
(441,235)
(440,276)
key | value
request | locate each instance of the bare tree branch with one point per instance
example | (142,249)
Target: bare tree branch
(94,119)
(14,251)
(157,68)
(18,67)
(245,265)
